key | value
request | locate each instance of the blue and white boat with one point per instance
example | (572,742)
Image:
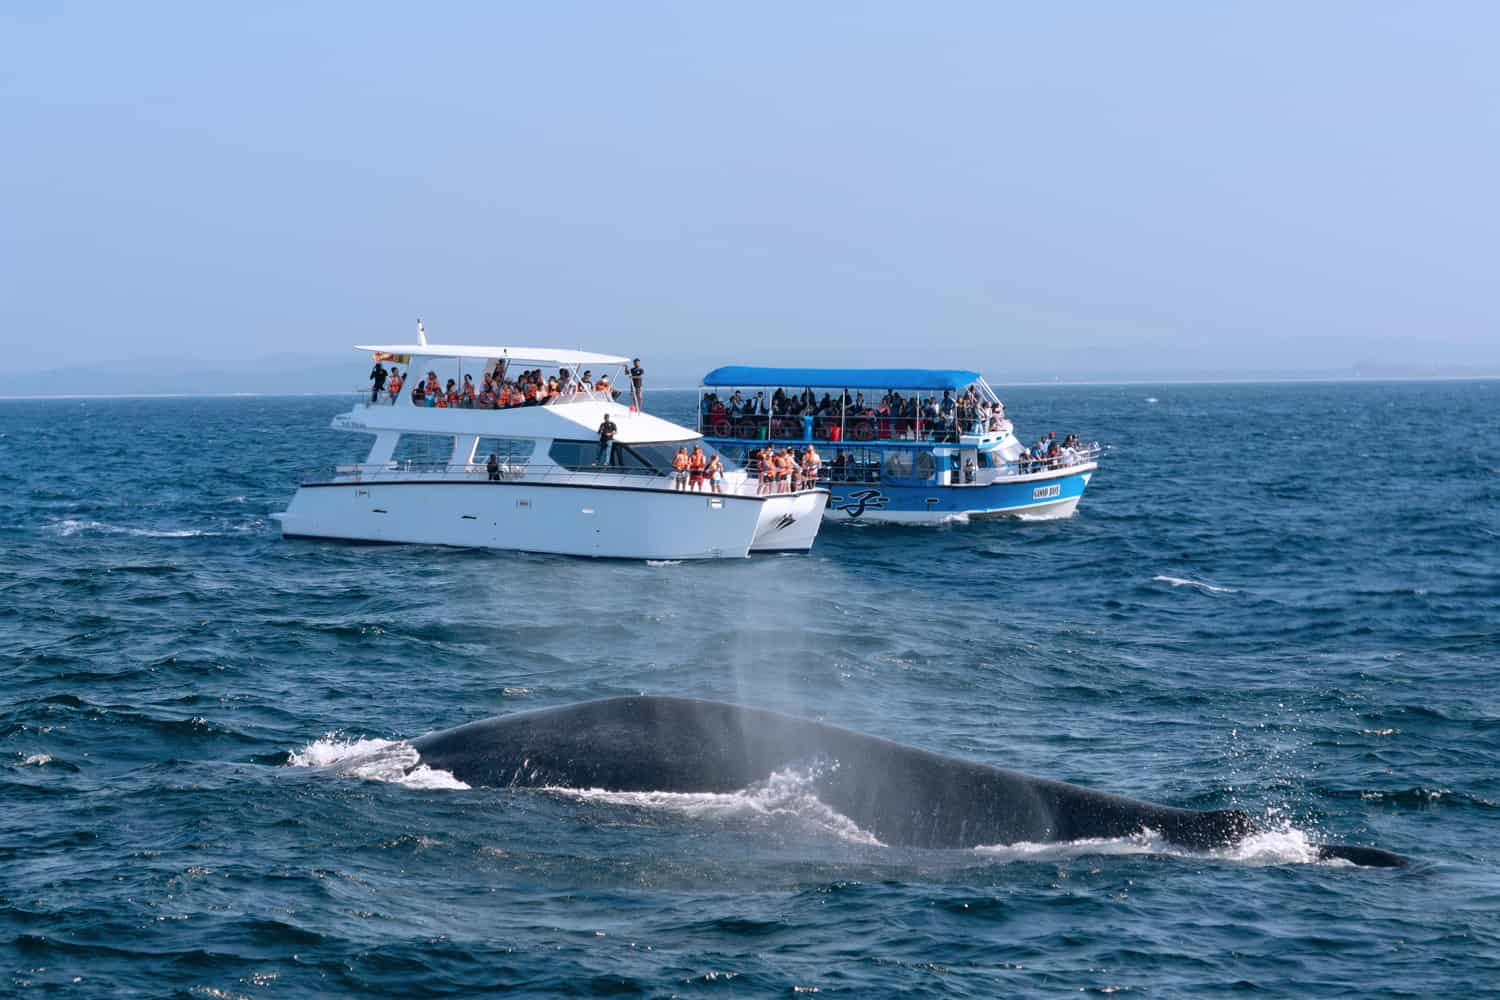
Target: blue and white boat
(905,445)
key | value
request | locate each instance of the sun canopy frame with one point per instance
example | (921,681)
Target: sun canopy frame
(540,356)
(842,378)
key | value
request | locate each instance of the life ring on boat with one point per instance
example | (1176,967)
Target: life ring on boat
(862,430)
(785,428)
(722,429)
(745,430)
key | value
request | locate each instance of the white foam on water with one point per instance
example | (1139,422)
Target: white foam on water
(663,562)
(783,794)
(37,760)
(68,528)
(1178,581)
(1152,399)
(392,761)
(1286,846)
(1052,515)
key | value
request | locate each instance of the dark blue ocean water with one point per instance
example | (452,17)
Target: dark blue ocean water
(1279,597)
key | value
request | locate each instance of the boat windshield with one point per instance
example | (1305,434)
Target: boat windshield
(652,458)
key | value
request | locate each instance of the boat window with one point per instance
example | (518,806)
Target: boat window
(853,465)
(926,467)
(423,451)
(510,451)
(573,454)
(897,465)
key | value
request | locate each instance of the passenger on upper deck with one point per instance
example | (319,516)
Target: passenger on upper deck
(377,381)
(637,380)
(395,384)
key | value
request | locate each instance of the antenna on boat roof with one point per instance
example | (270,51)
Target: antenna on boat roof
(421,333)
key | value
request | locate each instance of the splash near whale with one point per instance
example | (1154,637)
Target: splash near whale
(902,795)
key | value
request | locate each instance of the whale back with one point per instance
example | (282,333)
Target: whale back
(902,795)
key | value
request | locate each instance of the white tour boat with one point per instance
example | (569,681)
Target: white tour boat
(534,477)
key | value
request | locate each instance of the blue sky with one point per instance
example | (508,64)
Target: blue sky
(1035,189)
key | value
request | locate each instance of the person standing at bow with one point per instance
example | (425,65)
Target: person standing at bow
(607,431)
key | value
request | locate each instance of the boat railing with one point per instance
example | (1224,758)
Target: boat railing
(603,476)
(858,470)
(404,398)
(865,428)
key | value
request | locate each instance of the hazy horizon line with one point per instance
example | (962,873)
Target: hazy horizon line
(1060,383)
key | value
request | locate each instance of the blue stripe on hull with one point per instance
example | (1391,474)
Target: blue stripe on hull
(860,501)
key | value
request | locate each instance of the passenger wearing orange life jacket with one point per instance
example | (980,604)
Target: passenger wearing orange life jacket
(697,462)
(812,465)
(530,393)
(433,388)
(468,391)
(680,466)
(487,398)
(395,385)
(763,471)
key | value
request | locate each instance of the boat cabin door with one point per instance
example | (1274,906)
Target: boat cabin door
(968,466)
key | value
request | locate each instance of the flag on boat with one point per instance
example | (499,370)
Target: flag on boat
(400,359)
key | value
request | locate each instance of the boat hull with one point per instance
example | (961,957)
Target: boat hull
(1041,496)
(789,522)
(529,517)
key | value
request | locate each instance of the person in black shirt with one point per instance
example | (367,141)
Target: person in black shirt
(637,373)
(493,468)
(607,431)
(377,381)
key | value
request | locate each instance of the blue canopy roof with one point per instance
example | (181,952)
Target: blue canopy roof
(843,378)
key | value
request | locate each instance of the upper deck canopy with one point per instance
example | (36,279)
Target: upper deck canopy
(543,356)
(842,378)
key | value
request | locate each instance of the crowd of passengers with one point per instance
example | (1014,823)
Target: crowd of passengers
(1049,453)
(497,389)
(778,470)
(893,415)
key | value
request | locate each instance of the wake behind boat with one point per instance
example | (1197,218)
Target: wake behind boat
(926,446)
(520,460)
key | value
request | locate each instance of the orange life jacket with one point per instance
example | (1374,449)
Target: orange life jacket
(680,461)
